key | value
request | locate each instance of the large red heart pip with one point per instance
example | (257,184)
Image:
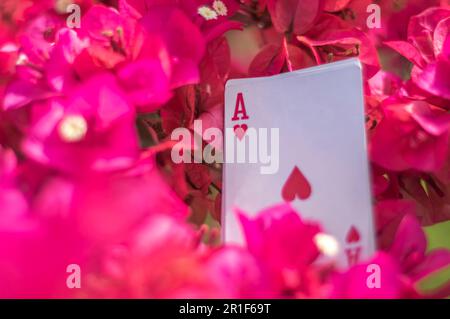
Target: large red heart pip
(296,186)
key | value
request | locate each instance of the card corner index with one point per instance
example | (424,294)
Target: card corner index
(232,82)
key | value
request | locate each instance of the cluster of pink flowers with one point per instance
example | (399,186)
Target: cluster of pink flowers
(85,171)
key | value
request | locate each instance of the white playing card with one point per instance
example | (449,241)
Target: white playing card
(323,167)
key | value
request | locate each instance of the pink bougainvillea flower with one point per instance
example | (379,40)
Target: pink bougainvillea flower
(114,38)
(335,5)
(431,195)
(394,16)
(59,68)
(428,48)
(297,16)
(412,135)
(409,249)
(40,75)
(332,39)
(180,111)
(281,224)
(212,17)
(76,188)
(285,245)
(356,283)
(92,129)
(117,41)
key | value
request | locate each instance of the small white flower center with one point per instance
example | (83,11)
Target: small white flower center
(22,59)
(207,13)
(220,8)
(72,128)
(327,244)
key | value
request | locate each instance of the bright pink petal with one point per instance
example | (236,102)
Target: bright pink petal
(434,261)
(407,50)
(434,78)
(146,84)
(410,243)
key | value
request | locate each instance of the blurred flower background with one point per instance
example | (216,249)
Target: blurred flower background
(86,176)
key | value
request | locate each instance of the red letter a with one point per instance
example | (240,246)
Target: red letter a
(240,110)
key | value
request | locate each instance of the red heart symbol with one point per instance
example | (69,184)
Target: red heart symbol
(239,131)
(353,235)
(296,186)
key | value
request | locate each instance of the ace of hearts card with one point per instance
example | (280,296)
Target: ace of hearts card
(303,137)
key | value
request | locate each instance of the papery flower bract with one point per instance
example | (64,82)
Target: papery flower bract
(35,259)
(285,245)
(184,41)
(113,38)
(428,48)
(12,202)
(146,84)
(401,235)
(39,36)
(431,196)
(47,75)
(335,5)
(278,227)
(356,282)
(412,135)
(274,59)
(160,260)
(384,84)
(8,57)
(34,254)
(388,214)
(83,192)
(124,199)
(297,16)
(237,274)
(409,248)
(331,39)
(214,72)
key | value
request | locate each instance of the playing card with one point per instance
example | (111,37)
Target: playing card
(299,137)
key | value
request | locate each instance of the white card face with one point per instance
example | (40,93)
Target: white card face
(323,167)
